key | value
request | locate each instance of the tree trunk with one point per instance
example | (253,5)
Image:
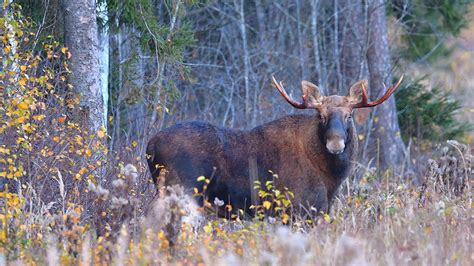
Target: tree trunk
(81,38)
(316,48)
(12,42)
(104,59)
(352,36)
(386,143)
(361,38)
(348,39)
(239,6)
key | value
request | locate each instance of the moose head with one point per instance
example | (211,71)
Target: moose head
(335,111)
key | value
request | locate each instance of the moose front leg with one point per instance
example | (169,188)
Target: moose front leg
(316,201)
(321,200)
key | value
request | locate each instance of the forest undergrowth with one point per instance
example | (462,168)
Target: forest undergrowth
(380,220)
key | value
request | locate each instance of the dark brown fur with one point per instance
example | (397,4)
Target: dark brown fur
(292,147)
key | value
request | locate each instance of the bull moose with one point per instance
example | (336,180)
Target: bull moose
(312,154)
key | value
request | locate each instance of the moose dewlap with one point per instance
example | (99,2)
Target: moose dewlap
(311,154)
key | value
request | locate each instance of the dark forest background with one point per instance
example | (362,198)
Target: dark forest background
(162,62)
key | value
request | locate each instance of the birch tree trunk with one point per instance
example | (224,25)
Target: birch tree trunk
(81,37)
(103,40)
(12,42)
(386,143)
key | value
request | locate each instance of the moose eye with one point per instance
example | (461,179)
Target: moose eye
(349,117)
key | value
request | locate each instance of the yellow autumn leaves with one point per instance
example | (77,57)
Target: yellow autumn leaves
(35,103)
(23,106)
(267,204)
(101,133)
(10,169)
(11,208)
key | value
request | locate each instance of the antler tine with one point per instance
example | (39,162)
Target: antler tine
(283,93)
(364,102)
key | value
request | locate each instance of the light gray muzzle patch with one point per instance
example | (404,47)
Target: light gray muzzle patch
(335,146)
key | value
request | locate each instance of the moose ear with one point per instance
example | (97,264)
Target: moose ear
(355,92)
(312,92)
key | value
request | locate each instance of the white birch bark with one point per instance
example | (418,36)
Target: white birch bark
(81,37)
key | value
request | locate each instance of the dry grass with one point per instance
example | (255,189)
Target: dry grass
(382,220)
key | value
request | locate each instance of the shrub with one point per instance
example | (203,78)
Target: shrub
(451,171)
(428,115)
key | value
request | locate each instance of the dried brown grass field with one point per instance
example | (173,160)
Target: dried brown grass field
(382,220)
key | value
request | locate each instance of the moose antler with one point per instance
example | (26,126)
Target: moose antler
(283,93)
(364,102)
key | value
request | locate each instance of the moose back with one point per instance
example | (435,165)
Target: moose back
(311,154)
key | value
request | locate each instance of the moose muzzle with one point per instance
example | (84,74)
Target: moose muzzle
(335,134)
(335,145)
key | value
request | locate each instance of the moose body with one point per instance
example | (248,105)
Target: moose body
(311,154)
